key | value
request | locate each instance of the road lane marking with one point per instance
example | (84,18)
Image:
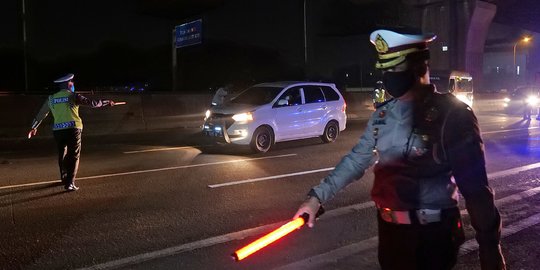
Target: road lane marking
(268,178)
(508,230)
(150,170)
(320,260)
(342,251)
(508,130)
(235,236)
(240,182)
(164,149)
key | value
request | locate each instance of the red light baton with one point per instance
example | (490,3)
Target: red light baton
(273,236)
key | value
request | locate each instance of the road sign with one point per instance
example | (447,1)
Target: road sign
(188,34)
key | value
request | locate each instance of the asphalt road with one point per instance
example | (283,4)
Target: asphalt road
(171,200)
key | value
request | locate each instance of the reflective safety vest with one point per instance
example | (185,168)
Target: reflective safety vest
(379,96)
(65,110)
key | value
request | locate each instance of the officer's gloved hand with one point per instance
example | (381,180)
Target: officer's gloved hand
(491,257)
(32,132)
(310,206)
(111,103)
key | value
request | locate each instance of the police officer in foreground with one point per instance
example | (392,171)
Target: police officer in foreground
(67,126)
(425,146)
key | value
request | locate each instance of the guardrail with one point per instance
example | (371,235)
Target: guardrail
(144,112)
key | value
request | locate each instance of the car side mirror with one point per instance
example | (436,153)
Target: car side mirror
(283,102)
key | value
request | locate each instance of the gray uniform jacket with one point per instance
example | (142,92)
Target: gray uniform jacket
(423,151)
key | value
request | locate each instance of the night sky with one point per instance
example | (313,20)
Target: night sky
(61,29)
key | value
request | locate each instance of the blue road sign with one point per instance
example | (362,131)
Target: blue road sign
(188,34)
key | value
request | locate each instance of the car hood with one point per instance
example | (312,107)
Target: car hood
(233,108)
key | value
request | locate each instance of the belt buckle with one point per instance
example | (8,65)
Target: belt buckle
(426,216)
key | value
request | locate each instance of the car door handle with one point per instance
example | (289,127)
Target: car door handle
(324,107)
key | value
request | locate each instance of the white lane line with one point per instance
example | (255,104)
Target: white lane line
(513,171)
(508,130)
(268,178)
(508,230)
(216,240)
(330,214)
(490,175)
(165,149)
(150,170)
(321,260)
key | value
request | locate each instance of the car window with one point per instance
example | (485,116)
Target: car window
(329,93)
(313,94)
(257,95)
(291,96)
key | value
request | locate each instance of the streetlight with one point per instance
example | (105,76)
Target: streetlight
(25,46)
(525,39)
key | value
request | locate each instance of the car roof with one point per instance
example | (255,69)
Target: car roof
(283,84)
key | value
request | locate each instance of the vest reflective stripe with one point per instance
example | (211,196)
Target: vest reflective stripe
(65,110)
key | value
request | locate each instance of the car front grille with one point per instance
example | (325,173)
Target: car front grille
(220,118)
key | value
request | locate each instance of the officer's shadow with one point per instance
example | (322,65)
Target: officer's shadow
(23,195)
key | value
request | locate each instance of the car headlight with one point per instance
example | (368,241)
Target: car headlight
(532,100)
(207,114)
(243,117)
(506,100)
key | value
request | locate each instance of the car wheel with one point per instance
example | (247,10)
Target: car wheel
(331,132)
(262,140)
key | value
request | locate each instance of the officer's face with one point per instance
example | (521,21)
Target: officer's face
(71,86)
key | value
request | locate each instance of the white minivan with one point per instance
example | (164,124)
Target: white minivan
(267,113)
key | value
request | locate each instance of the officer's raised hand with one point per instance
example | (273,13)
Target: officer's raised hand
(32,132)
(311,207)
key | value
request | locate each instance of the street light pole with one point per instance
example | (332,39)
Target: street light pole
(525,39)
(305,42)
(25,53)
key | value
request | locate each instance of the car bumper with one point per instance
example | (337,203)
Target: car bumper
(233,134)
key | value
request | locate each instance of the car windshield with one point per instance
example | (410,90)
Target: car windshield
(257,95)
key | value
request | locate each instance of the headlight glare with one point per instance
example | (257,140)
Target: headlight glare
(532,100)
(243,117)
(207,114)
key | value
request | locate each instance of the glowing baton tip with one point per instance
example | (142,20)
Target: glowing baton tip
(270,238)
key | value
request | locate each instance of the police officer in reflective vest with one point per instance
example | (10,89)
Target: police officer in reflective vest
(379,95)
(424,146)
(67,126)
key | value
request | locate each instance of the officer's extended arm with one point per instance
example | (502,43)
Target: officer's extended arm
(466,155)
(94,103)
(350,168)
(43,112)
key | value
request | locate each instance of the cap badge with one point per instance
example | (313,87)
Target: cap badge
(380,44)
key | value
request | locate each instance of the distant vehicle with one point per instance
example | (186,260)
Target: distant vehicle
(524,100)
(280,111)
(460,84)
(379,94)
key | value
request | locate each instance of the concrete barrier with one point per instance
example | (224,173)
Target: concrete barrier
(154,111)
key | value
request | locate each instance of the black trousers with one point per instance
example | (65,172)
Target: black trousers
(68,142)
(433,246)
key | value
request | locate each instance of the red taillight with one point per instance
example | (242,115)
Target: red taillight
(344,108)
